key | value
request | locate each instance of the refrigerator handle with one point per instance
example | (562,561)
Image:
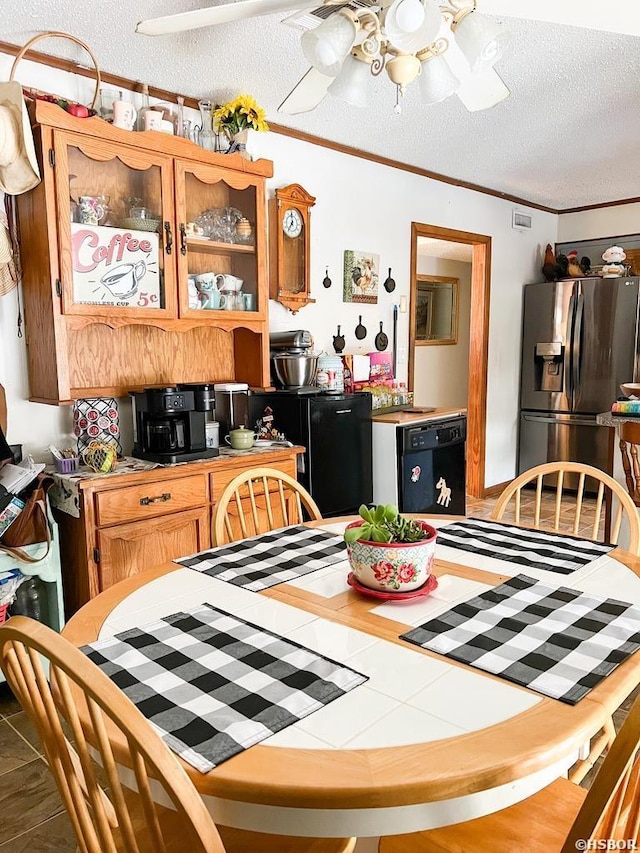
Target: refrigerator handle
(568,355)
(562,420)
(576,354)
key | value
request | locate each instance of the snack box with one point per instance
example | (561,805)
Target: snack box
(381,365)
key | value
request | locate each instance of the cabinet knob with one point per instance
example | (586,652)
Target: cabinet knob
(168,237)
(158,499)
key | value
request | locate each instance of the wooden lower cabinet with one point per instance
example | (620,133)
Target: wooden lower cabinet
(132,522)
(128,549)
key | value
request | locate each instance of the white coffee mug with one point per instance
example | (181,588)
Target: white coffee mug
(228,282)
(152,120)
(124,115)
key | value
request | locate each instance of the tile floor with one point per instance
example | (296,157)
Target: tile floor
(33,818)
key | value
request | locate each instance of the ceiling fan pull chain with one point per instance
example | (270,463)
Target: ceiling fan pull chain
(398,107)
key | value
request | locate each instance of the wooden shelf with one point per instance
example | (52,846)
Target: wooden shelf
(213,247)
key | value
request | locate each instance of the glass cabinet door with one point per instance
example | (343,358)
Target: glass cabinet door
(222,239)
(115,221)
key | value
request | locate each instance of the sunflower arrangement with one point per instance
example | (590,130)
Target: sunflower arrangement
(243,113)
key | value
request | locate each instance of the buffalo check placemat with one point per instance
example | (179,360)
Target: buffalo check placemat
(535,549)
(271,558)
(557,641)
(213,685)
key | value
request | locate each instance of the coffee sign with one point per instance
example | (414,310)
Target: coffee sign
(115,266)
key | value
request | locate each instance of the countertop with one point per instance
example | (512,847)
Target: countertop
(401,418)
(608,419)
(133,470)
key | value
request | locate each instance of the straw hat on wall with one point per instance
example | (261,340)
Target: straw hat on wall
(18,164)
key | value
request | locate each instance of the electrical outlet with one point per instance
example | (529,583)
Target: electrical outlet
(402,355)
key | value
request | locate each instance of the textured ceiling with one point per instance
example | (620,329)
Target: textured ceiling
(445,250)
(567,136)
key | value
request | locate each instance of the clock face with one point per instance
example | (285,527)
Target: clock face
(292,222)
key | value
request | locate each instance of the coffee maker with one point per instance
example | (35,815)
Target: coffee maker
(169,424)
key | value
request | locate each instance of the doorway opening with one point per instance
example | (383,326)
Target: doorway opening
(474,334)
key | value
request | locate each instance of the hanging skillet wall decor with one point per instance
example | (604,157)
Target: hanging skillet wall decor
(381,340)
(326,281)
(338,341)
(361,331)
(389,283)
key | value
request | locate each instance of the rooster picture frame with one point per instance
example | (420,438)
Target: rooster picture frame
(361,276)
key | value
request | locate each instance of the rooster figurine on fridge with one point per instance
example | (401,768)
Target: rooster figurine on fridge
(552,270)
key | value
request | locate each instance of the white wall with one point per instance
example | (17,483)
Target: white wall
(603,222)
(360,205)
(441,375)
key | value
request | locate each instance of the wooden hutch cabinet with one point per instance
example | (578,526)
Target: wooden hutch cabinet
(110,292)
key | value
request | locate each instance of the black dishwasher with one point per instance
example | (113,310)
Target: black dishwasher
(431,467)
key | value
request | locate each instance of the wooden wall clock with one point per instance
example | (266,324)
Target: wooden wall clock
(289,223)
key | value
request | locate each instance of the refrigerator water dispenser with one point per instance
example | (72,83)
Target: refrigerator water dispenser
(549,364)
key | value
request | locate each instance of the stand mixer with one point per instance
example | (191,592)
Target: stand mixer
(293,363)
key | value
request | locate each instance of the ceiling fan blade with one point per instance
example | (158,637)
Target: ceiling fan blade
(222,14)
(307,94)
(620,17)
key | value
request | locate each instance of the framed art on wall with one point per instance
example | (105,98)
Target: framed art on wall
(361,274)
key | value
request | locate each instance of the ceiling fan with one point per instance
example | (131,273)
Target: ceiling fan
(353,39)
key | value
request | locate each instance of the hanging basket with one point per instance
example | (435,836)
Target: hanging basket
(37,94)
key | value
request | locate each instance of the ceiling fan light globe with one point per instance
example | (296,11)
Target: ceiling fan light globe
(412,40)
(409,15)
(351,85)
(437,81)
(481,40)
(483,90)
(328,44)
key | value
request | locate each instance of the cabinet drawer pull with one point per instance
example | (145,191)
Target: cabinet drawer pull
(168,237)
(183,239)
(163,498)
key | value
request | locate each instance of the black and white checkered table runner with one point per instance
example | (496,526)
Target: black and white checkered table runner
(213,685)
(271,558)
(553,552)
(557,641)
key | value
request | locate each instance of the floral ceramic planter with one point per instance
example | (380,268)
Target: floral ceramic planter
(393,566)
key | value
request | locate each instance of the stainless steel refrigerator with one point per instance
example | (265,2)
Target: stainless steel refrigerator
(579,342)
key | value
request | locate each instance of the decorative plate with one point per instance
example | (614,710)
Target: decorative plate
(425,589)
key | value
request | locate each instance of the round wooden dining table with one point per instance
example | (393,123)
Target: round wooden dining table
(425,742)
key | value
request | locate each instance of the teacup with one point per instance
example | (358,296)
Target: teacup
(240,439)
(92,209)
(208,294)
(228,282)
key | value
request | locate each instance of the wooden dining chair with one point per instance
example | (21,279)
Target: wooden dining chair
(117,749)
(569,507)
(562,818)
(568,516)
(260,500)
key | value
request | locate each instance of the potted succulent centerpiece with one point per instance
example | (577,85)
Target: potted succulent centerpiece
(389,552)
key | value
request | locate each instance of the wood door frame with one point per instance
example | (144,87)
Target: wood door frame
(478,341)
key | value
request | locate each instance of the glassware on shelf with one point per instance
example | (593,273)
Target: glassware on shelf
(206,137)
(145,106)
(180,122)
